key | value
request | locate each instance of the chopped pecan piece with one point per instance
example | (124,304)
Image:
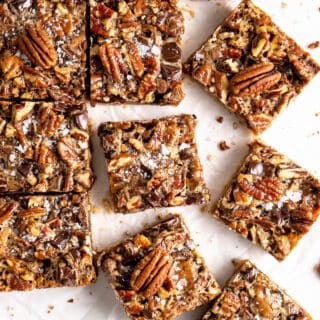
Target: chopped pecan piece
(11,67)
(7,210)
(37,45)
(68,154)
(134,61)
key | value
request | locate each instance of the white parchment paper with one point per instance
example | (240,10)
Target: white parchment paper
(296,132)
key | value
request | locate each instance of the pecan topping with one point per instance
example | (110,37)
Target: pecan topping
(203,74)
(11,67)
(7,210)
(134,60)
(301,220)
(151,272)
(32,213)
(111,60)
(37,45)
(230,304)
(68,154)
(269,189)
(255,79)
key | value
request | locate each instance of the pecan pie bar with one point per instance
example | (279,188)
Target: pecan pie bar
(251,66)
(136,51)
(271,201)
(153,163)
(45,242)
(158,274)
(250,294)
(42,49)
(44,147)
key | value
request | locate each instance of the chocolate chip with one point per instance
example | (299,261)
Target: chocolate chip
(169,72)
(82,120)
(60,241)
(25,168)
(171,52)
(250,275)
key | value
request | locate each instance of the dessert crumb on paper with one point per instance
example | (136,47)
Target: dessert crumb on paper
(50,308)
(314,45)
(220,119)
(223,146)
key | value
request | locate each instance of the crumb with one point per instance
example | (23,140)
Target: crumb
(314,45)
(50,308)
(120,221)
(223,146)
(125,106)
(209,157)
(233,143)
(90,126)
(220,119)
(10,312)
(70,300)
(188,10)
(96,209)
(283,5)
(318,268)
(107,205)
(204,209)
(317,114)
(90,292)
(235,125)
(235,262)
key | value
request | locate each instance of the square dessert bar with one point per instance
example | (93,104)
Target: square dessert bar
(45,242)
(250,294)
(158,274)
(153,163)
(42,49)
(271,201)
(44,147)
(136,51)
(251,66)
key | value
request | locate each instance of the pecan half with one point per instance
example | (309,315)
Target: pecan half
(7,210)
(133,58)
(151,272)
(37,45)
(68,154)
(112,62)
(34,212)
(268,189)
(257,78)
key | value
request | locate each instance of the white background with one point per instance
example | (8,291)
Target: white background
(296,132)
